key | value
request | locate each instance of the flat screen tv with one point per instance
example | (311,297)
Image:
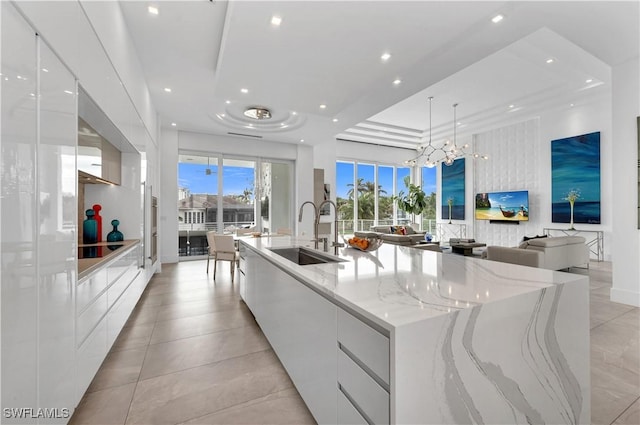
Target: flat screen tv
(505,206)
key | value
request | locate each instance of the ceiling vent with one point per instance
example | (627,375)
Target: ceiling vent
(245,135)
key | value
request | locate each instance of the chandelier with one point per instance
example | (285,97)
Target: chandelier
(447,153)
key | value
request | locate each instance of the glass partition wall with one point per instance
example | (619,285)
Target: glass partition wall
(222,194)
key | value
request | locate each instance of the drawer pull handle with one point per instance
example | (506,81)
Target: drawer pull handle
(364,367)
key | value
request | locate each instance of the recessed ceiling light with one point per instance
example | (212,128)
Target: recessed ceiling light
(294,113)
(590,80)
(68,92)
(167,89)
(397,81)
(512,106)
(301,140)
(335,120)
(222,115)
(244,90)
(227,102)
(43,70)
(497,19)
(385,57)
(550,60)
(323,106)
(153,10)
(173,124)
(276,21)
(19,77)
(571,105)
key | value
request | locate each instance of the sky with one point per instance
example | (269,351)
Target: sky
(194,177)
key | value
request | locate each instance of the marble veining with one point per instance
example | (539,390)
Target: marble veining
(472,341)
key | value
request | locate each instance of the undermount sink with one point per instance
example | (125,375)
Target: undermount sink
(304,256)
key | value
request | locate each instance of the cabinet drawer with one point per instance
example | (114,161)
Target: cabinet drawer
(365,343)
(369,397)
(347,414)
(88,319)
(121,284)
(89,289)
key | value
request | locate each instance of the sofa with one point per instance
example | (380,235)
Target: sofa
(411,237)
(553,253)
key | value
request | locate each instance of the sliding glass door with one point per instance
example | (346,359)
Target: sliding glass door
(221,194)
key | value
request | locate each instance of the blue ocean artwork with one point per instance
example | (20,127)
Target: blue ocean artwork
(575,167)
(453,190)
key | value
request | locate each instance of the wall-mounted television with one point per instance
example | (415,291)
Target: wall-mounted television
(503,206)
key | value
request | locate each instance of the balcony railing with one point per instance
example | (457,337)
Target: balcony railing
(192,237)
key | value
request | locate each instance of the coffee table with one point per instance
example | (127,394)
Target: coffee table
(466,248)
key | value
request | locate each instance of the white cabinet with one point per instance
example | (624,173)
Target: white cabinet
(105,300)
(338,363)
(19,223)
(301,327)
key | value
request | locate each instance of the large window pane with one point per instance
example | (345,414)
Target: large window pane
(238,183)
(276,197)
(366,189)
(385,195)
(344,196)
(429,188)
(402,173)
(197,202)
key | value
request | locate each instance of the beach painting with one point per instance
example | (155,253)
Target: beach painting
(510,206)
(575,179)
(453,190)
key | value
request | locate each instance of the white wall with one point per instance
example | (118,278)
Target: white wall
(626,236)
(168,198)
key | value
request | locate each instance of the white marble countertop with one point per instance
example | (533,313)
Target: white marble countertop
(398,285)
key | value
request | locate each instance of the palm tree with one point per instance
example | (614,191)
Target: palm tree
(246,196)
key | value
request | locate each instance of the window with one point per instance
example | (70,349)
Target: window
(429,187)
(365,195)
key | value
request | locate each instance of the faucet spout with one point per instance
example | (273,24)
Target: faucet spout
(335,244)
(316,219)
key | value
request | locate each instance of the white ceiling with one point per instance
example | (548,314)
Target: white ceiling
(329,53)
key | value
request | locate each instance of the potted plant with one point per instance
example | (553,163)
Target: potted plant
(413,202)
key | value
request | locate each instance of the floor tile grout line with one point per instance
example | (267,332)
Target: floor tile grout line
(205,364)
(614,318)
(195,336)
(623,412)
(238,404)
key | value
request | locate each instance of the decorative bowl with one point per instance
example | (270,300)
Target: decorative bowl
(373,243)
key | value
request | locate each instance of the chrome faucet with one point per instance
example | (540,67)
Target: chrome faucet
(316,220)
(335,243)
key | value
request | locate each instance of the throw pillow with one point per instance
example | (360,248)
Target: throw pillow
(526,238)
(393,229)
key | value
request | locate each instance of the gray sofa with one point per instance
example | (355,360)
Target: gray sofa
(555,253)
(384,232)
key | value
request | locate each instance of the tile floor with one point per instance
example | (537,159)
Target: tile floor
(192,354)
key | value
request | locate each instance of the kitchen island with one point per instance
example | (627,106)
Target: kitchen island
(401,335)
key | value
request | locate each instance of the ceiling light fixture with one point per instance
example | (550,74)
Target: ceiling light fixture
(447,153)
(397,81)
(153,10)
(550,60)
(323,106)
(385,57)
(301,140)
(227,102)
(245,91)
(497,19)
(512,106)
(335,120)
(173,124)
(68,92)
(167,89)
(590,80)
(257,113)
(276,21)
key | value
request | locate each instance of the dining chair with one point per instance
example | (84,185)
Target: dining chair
(211,247)
(225,250)
(284,231)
